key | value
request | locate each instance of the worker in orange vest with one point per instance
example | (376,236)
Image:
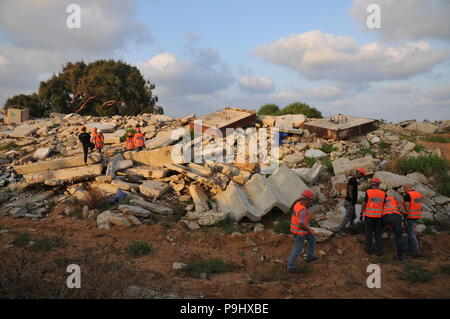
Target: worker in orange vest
(139,141)
(98,139)
(393,212)
(301,230)
(129,142)
(412,202)
(372,210)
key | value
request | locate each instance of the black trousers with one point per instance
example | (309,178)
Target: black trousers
(395,220)
(373,226)
(86,148)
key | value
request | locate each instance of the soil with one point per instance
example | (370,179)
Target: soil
(444,147)
(258,259)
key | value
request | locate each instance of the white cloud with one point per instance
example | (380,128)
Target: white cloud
(407,19)
(204,72)
(319,56)
(257,84)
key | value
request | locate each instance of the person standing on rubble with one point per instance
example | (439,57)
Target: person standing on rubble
(301,230)
(98,139)
(85,139)
(139,141)
(129,142)
(412,202)
(351,199)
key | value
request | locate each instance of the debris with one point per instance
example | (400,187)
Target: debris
(134,210)
(65,174)
(153,189)
(347,167)
(56,164)
(16,116)
(393,180)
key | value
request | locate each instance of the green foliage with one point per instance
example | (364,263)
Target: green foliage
(326,161)
(444,186)
(415,273)
(227,224)
(269,109)
(310,161)
(384,146)
(138,249)
(9,146)
(301,108)
(50,243)
(445,269)
(124,136)
(437,138)
(419,147)
(283,226)
(326,148)
(428,165)
(100,88)
(366,151)
(208,266)
(22,239)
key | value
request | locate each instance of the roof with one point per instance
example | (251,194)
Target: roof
(339,122)
(225,117)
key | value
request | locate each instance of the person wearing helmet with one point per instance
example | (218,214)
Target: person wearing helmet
(301,230)
(372,210)
(98,139)
(351,199)
(412,203)
(139,141)
(85,139)
(129,142)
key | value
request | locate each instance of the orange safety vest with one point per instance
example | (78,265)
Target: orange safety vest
(139,140)
(129,143)
(98,139)
(295,226)
(415,207)
(375,202)
(391,206)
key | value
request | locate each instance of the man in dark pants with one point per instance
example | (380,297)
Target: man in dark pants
(412,202)
(351,199)
(85,139)
(372,210)
(393,212)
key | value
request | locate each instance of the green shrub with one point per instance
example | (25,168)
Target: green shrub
(22,239)
(227,224)
(208,266)
(444,185)
(310,161)
(326,161)
(383,145)
(47,244)
(139,248)
(283,226)
(367,151)
(419,147)
(326,148)
(301,108)
(415,273)
(445,269)
(428,165)
(269,109)
(437,138)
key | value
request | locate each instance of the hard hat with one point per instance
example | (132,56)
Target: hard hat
(375,181)
(130,133)
(138,129)
(362,171)
(99,130)
(308,194)
(83,128)
(94,129)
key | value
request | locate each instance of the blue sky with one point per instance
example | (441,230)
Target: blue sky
(205,55)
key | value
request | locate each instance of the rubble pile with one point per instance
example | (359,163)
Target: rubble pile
(41,164)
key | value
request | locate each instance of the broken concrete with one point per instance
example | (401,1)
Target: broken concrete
(24,130)
(42,153)
(134,210)
(345,166)
(56,164)
(199,196)
(393,180)
(154,188)
(65,174)
(161,210)
(104,127)
(235,201)
(154,158)
(125,185)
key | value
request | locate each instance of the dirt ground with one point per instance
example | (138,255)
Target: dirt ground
(259,261)
(444,147)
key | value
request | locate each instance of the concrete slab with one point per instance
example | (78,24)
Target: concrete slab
(24,130)
(288,186)
(104,127)
(160,140)
(393,180)
(345,166)
(125,185)
(158,209)
(154,158)
(135,210)
(147,171)
(154,188)
(56,164)
(235,201)
(113,138)
(199,196)
(42,153)
(65,174)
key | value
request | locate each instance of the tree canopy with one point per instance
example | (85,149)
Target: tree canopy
(293,108)
(100,88)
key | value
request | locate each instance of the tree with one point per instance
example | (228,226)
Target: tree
(269,109)
(301,108)
(22,101)
(100,88)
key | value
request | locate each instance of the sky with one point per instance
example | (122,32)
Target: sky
(205,55)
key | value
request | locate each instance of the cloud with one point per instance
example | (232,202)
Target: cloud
(320,56)
(257,84)
(411,19)
(203,72)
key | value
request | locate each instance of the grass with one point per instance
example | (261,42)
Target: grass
(208,266)
(49,243)
(444,186)
(326,161)
(283,226)
(419,147)
(138,249)
(227,224)
(367,151)
(383,145)
(22,239)
(437,138)
(445,269)
(428,165)
(9,146)
(326,148)
(275,273)
(310,161)
(414,273)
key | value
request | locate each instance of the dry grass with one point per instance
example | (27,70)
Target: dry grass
(95,198)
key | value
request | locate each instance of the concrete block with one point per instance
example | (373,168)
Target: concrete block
(147,171)
(154,158)
(154,188)
(104,127)
(24,130)
(160,140)
(199,196)
(125,185)
(65,174)
(235,201)
(393,180)
(42,153)
(161,210)
(345,166)
(134,210)
(113,138)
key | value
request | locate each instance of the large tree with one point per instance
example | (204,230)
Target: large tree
(102,88)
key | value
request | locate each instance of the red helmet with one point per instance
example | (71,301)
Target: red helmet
(375,181)
(83,128)
(94,129)
(308,194)
(362,171)
(130,134)
(138,129)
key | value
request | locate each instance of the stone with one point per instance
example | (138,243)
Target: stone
(19,212)
(293,159)
(374,139)
(422,127)
(333,219)
(199,196)
(102,220)
(65,174)
(56,164)
(42,153)
(154,188)
(444,126)
(393,180)
(406,148)
(120,221)
(315,153)
(339,184)
(178,266)
(420,228)
(346,166)
(418,177)
(313,174)
(268,121)
(113,138)
(154,158)
(147,172)
(440,200)
(424,190)
(161,139)
(258,228)
(24,130)
(125,185)
(161,210)
(322,234)
(104,127)
(235,201)
(117,163)
(40,197)
(193,226)
(134,210)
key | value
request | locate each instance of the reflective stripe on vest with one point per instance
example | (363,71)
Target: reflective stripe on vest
(139,140)
(391,206)
(414,209)
(295,226)
(98,140)
(375,202)
(129,144)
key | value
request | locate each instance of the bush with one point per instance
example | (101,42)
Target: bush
(428,165)
(415,273)
(22,239)
(139,248)
(437,138)
(227,224)
(269,109)
(208,266)
(419,147)
(445,269)
(301,108)
(443,187)
(310,161)
(326,148)
(365,151)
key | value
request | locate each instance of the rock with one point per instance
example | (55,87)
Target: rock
(315,153)
(420,228)
(102,220)
(161,139)
(322,234)
(374,139)
(313,174)
(437,152)
(339,184)
(444,126)
(137,292)
(440,199)
(113,138)
(147,172)
(178,266)
(258,228)
(19,212)
(422,127)
(4,196)
(193,225)
(293,159)
(333,219)
(199,196)
(154,158)
(65,174)
(345,166)
(104,127)
(134,210)
(418,177)
(42,153)
(121,221)
(405,148)
(424,190)
(268,121)
(393,180)
(153,207)
(69,210)
(24,130)
(125,185)
(85,213)
(154,188)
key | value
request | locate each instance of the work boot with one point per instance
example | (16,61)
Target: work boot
(308,260)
